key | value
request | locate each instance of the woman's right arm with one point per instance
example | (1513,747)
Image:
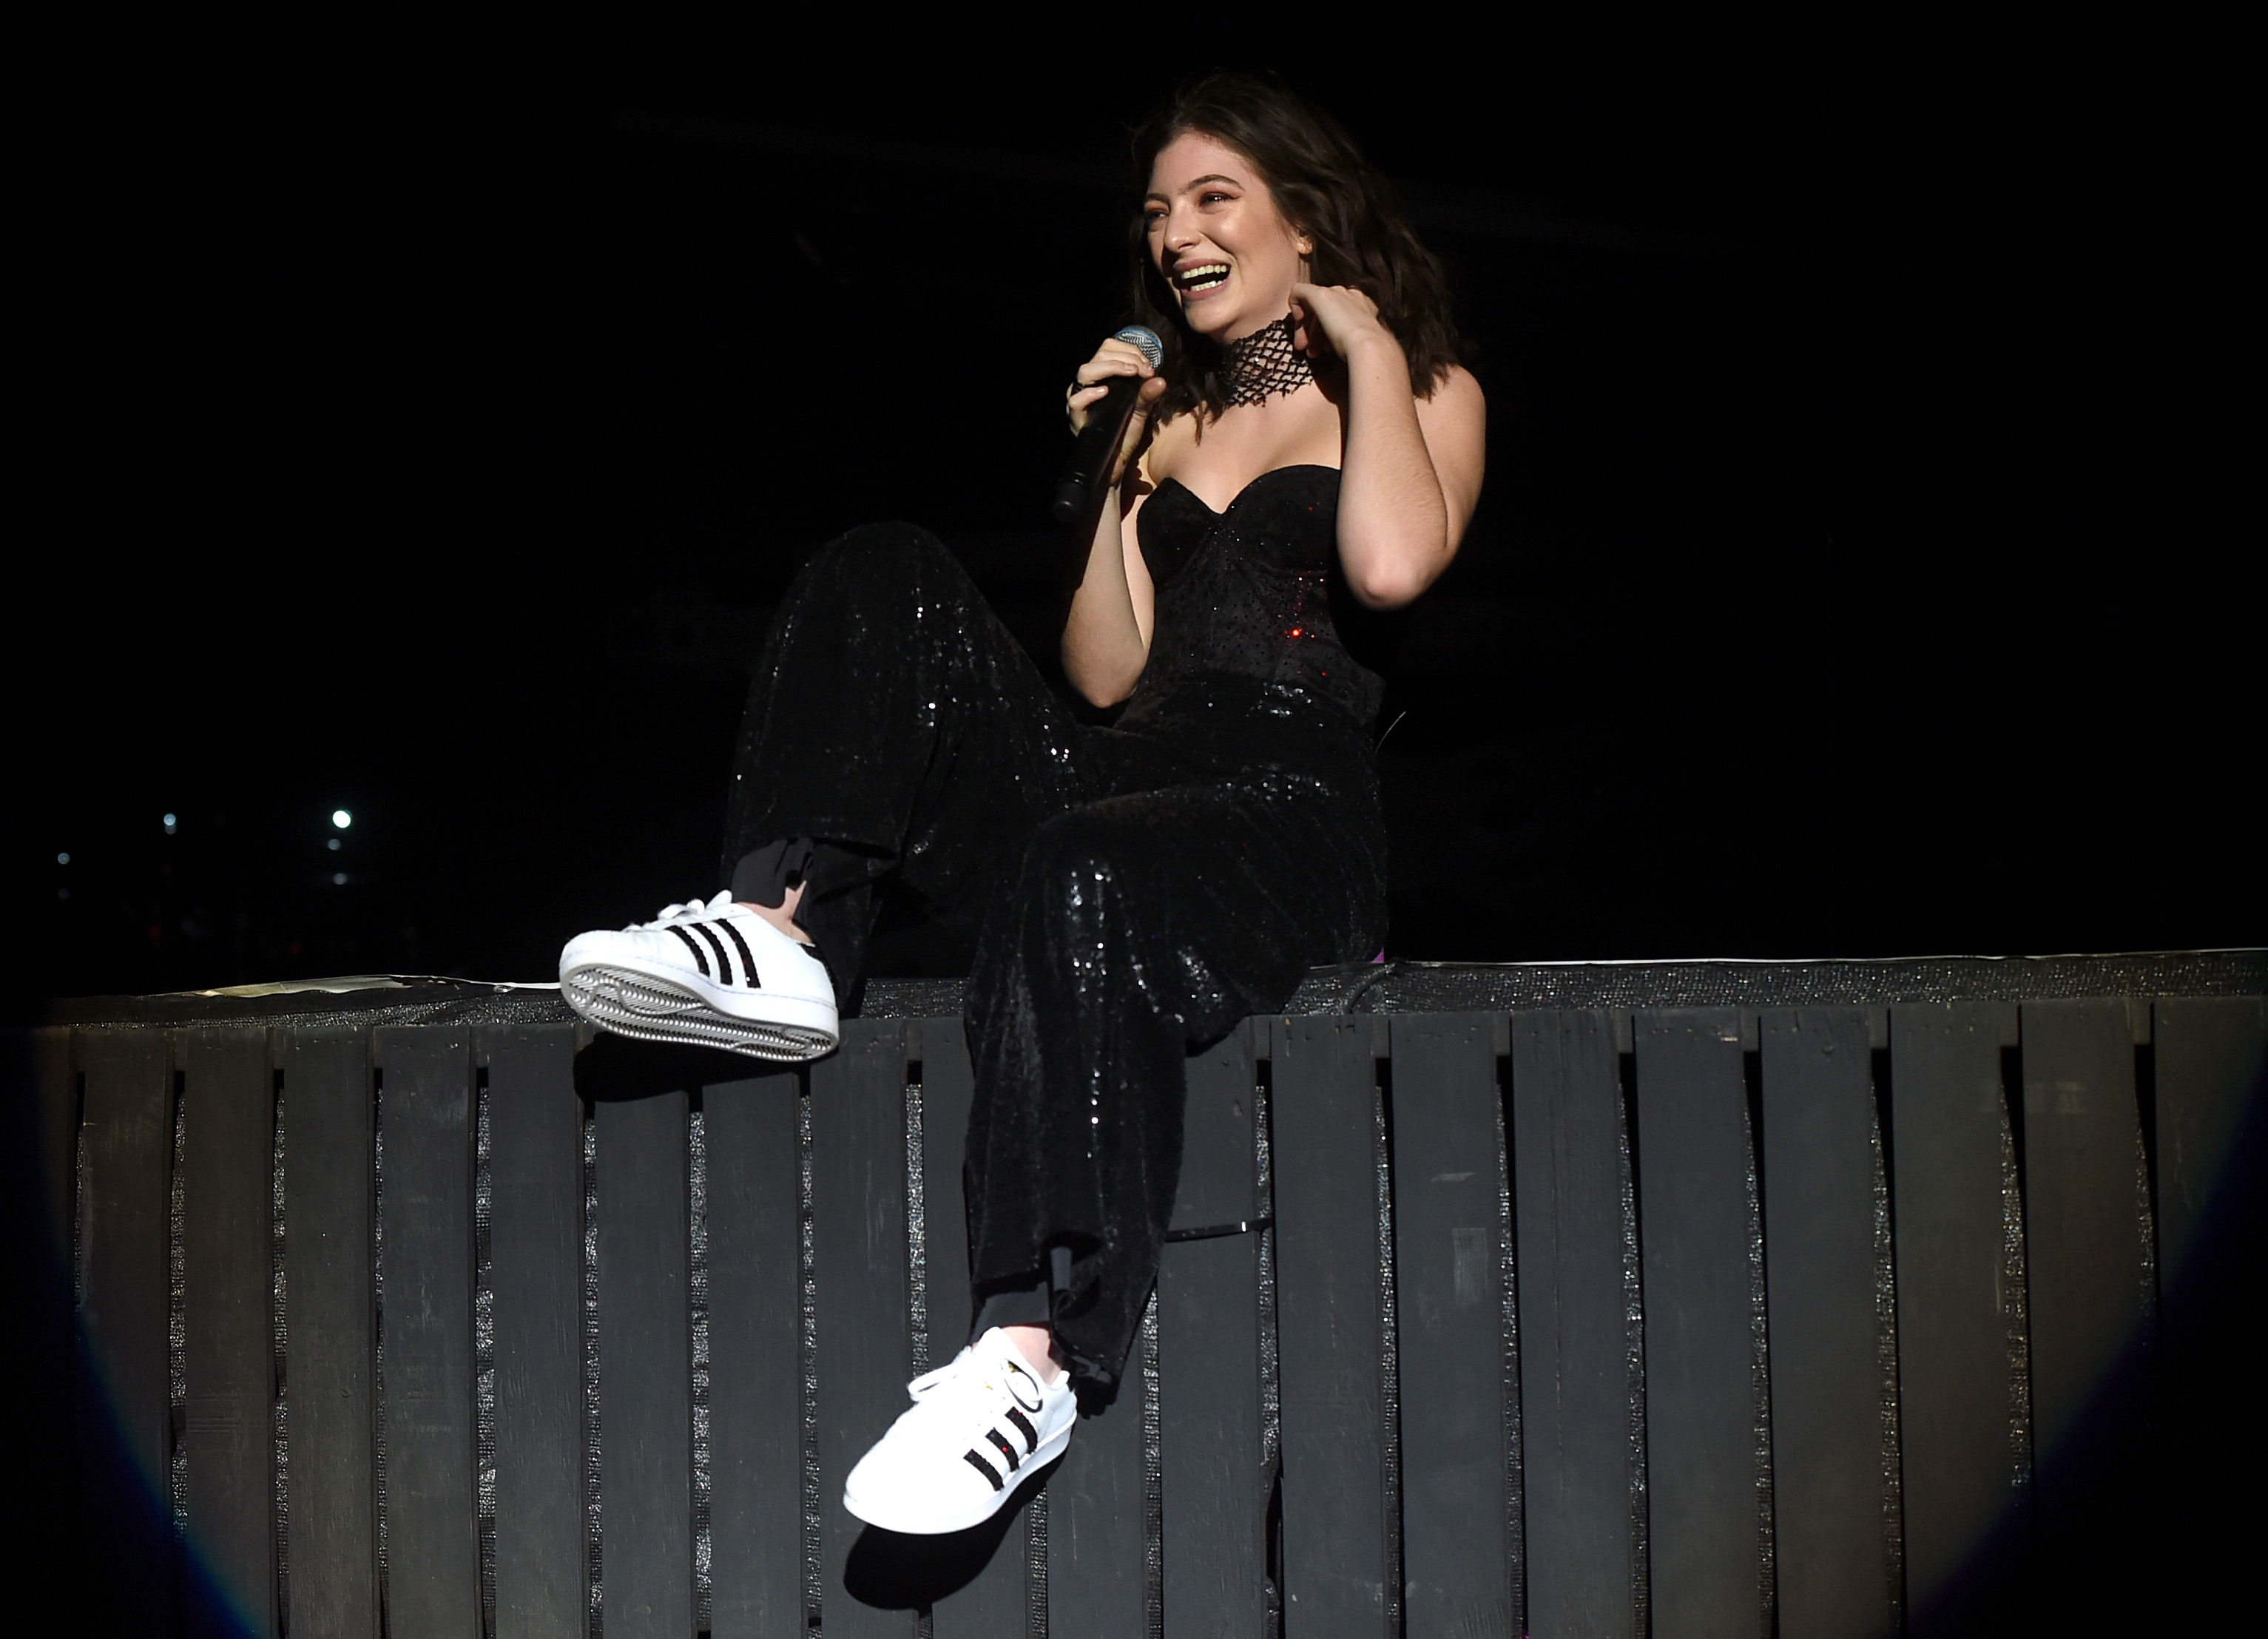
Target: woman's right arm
(1106,641)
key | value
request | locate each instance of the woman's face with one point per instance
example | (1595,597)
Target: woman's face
(1217,237)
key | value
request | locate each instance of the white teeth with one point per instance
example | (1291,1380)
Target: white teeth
(1207,273)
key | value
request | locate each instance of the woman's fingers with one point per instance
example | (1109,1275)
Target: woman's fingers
(1112,360)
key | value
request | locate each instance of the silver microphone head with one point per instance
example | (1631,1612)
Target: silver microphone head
(1146,339)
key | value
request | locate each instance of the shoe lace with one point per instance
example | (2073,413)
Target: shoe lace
(690,910)
(968,1373)
(943,1374)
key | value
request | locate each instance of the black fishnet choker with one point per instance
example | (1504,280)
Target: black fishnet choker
(1265,365)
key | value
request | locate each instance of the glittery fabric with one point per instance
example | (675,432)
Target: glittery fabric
(1137,889)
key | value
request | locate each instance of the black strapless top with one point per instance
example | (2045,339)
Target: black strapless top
(1249,593)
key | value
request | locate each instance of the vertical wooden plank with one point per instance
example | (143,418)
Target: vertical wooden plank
(2211,1062)
(1097,1573)
(2086,1265)
(124,1400)
(1329,1311)
(645,1368)
(997,1601)
(1826,1380)
(39,1106)
(54,1093)
(2210,1055)
(1693,1161)
(755,1357)
(535,1258)
(1575,1413)
(859,1232)
(329,1326)
(227,1339)
(1954,1309)
(1216,1511)
(433,1583)
(1448,1247)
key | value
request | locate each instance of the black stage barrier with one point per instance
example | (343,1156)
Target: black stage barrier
(1681,1298)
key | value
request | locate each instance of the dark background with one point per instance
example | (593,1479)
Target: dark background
(425,426)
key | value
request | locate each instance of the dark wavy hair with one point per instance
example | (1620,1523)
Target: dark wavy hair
(1323,186)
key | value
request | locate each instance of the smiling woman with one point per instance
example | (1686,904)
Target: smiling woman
(1138,889)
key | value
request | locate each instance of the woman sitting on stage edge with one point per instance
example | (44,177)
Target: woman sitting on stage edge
(1138,889)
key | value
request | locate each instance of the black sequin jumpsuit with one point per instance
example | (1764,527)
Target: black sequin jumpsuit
(1138,889)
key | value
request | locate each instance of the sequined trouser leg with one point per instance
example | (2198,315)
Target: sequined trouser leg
(1138,895)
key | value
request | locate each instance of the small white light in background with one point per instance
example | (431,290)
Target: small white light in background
(338,879)
(172,823)
(341,818)
(62,859)
(332,845)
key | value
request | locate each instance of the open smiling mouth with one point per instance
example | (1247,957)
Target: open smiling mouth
(1201,278)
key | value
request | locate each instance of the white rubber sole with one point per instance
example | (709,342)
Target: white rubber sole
(633,1000)
(928,1524)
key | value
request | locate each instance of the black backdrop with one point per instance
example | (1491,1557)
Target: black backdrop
(424,426)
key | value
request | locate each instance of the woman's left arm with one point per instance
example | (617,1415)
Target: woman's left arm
(1412,467)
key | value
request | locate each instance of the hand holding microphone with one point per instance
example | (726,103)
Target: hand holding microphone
(1109,400)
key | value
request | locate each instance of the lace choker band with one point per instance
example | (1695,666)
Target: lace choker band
(1265,365)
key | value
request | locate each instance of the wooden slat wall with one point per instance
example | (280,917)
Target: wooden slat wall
(330,1322)
(228,1124)
(1329,1318)
(2211,1062)
(646,1370)
(2086,1264)
(755,1356)
(39,1122)
(998,1600)
(1458,1559)
(1097,1543)
(1826,1377)
(859,1232)
(2211,1073)
(1988,1287)
(433,1575)
(1947,1112)
(1210,1438)
(1700,1407)
(1575,1409)
(535,1268)
(124,1400)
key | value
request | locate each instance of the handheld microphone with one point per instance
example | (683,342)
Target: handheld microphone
(1089,469)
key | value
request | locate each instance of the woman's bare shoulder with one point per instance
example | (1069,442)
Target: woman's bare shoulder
(1458,392)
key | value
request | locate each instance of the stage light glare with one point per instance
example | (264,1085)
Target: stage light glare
(62,859)
(341,818)
(338,879)
(173,824)
(332,845)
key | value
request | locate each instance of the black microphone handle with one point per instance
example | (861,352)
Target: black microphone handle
(1089,468)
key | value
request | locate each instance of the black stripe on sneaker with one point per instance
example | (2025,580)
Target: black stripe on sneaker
(1006,1449)
(724,962)
(698,956)
(1024,1426)
(747,962)
(983,1467)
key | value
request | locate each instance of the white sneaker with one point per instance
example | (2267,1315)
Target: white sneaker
(718,975)
(955,1457)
